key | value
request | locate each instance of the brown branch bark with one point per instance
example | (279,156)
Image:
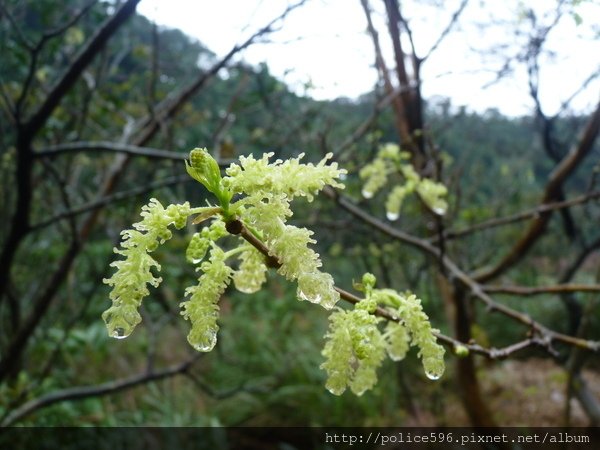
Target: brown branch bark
(364,127)
(477,409)
(13,353)
(81,61)
(411,100)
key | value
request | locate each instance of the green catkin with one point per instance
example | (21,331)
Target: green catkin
(391,160)
(129,282)
(355,346)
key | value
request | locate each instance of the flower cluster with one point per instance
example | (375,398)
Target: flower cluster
(391,160)
(269,189)
(263,192)
(356,347)
(416,322)
(264,206)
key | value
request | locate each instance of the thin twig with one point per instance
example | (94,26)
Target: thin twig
(537,290)
(110,387)
(108,147)
(446,30)
(364,127)
(524,215)
(109,199)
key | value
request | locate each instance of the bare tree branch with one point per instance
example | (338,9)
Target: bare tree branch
(399,111)
(363,128)
(110,199)
(108,147)
(565,104)
(532,213)
(527,291)
(111,387)
(446,30)
(170,105)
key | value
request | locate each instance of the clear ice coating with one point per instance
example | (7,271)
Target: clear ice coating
(358,391)
(246,288)
(247,283)
(434,368)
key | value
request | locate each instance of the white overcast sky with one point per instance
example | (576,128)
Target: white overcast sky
(324,43)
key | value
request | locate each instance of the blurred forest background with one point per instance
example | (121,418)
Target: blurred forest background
(98,109)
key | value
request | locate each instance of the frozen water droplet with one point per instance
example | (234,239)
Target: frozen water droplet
(119,333)
(439,210)
(196,260)
(342,176)
(392,215)
(432,375)
(367,194)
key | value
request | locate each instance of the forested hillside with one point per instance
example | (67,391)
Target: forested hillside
(99,108)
